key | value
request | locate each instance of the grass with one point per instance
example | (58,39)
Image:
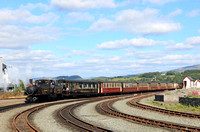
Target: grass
(176,107)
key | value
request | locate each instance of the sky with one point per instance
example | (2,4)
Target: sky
(94,38)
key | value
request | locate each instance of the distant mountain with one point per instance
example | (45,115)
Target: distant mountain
(73,77)
(100,77)
(133,75)
(182,69)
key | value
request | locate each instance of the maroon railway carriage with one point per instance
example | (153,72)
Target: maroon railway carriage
(154,86)
(111,87)
(170,85)
(163,86)
(130,87)
(143,86)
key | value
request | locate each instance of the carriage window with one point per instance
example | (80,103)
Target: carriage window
(143,84)
(163,84)
(89,85)
(134,84)
(154,84)
(170,84)
(84,85)
(80,85)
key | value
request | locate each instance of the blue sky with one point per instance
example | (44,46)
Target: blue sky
(99,37)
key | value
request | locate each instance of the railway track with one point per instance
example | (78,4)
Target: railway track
(21,121)
(135,103)
(8,107)
(68,115)
(106,108)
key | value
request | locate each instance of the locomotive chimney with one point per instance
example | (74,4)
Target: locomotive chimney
(31,81)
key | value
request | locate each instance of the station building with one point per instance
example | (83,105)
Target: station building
(188,82)
(197,83)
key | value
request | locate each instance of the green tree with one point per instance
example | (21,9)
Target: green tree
(21,85)
(170,73)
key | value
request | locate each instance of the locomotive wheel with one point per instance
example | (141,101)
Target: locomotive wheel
(35,99)
(29,100)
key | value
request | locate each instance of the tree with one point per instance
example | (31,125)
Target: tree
(170,73)
(21,85)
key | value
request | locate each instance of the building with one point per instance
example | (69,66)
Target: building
(197,83)
(3,75)
(188,82)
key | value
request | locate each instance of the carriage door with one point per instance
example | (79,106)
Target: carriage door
(121,87)
(184,84)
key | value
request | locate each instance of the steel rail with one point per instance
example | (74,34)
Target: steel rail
(67,114)
(106,108)
(26,125)
(136,103)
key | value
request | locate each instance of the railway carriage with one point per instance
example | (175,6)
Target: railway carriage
(170,85)
(143,86)
(111,87)
(130,87)
(176,85)
(154,86)
(163,86)
(78,87)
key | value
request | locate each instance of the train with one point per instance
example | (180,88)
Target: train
(45,89)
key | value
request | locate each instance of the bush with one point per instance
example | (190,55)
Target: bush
(193,94)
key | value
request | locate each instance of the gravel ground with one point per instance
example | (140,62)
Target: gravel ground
(7,117)
(7,102)
(123,107)
(89,114)
(46,120)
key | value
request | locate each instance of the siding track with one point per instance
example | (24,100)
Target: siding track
(106,108)
(135,103)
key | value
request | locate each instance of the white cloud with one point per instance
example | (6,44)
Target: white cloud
(65,65)
(175,13)
(82,4)
(144,54)
(24,16)
(23,37)
(139,42)
(78,16)
(80,52)
(193,40)
(158,2)
(146,22)
(194,13)
(31,6)
(179,46)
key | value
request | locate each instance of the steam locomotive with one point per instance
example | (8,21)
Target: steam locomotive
(58,89)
